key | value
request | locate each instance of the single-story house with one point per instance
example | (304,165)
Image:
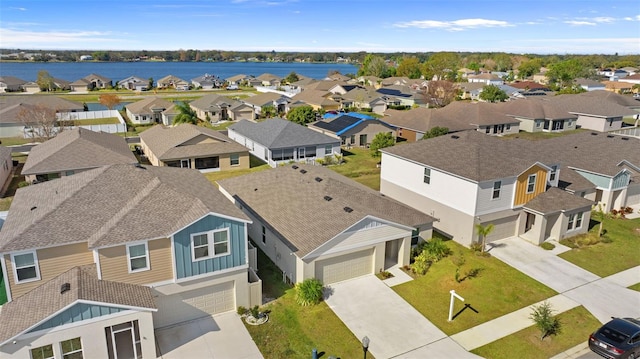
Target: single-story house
(150,110)
(352,129)
(589,85)
(90,82)
(11,84)
(276,141)
(366,99)
(239,79)
(267,79)
(171,81)
(190,146)
(538,116)
(206,82)
(6,168)
(216,108)
(318,99)
(14,108)
(324,225)
(134,83)
(74,151)
(278,101)
(31,87)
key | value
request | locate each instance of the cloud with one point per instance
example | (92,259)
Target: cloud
(456,25)
(580,23)
(604,19)
(18,8)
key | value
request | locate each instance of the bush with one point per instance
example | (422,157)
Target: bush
(548,246)
(23,184)
(544,319)
(421,263)
(309,292)
(242,310)
(436,249)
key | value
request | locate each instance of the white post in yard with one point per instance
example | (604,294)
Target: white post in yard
(453,296)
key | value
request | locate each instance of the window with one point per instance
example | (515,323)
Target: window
(210,244)
(235,159)
(138,255)
(45,352)
(538,123)
(185,163)
(569,123)
(427,175)
(531,183)
(71,349)
(264,235)
(610,122)
(579,220)
(327,149)
(496,189)
(572,219)
(487,129)
(69,173)
(25,267)
(352,140)
(508,126)
(554,170)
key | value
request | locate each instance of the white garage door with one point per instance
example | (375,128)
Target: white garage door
(194,304)
(502,228)
(344,267)
(633,195)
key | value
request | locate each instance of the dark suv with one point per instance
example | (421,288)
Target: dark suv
(619,338)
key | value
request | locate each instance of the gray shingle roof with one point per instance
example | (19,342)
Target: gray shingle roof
(149,104)
(595,103)
(169,142)
(78,149)
(573,181)
(532,109)
(213,102)
(556,200)
(111,205)
(263,99)
(293,204)
(45,300)
(278,133)
(10,106)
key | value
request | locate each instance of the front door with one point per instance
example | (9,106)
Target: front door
(531,220)
(123,341)
(558,125)
(363,140)
(300,153)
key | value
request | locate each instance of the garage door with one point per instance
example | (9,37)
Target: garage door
(503,228)
(194,304)
(633,195)
(344,267)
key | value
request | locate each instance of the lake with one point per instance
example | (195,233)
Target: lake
(116,71)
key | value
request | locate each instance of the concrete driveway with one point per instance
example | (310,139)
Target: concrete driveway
(368,307)
(220,336)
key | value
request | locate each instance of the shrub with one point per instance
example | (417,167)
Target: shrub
(255,311)
(544,319)
(242,310)
(23,184)
(309,292)
(476,247)
(421,263)
(436,249)
(548,246)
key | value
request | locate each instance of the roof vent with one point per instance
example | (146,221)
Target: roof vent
(318,179)
(328,198)
(303,171)
(137,165)
(455,137)
(33,208)
(610,136)
(65,288)
(348,209)
(593,134)
(294,167)
(624,138)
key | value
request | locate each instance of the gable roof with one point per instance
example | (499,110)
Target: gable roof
(11,106)
(599,103)
(556,200)
(264,99)
(44,301)
(149,104)
(213,102)
(277,133)
(300,194)
(169,142)
(315,97)
(77,149)
(111,205)
(268,77)
(93,76)
(343,123)
(12,80)
(531,109)
(417,119)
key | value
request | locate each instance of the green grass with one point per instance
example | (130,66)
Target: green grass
(98,121)
(578,323)
(14,141)
(360,166)
(605,259)
(294,331)
(635,287)
(255,165)
(497,290)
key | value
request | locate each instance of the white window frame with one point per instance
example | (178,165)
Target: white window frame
(234,157)
(554,172)
(572,221)
(579,219)
(74,351)
(530,183)
(42,346)
(495,194)
(15,269)
(211,245)
(427,176)
(328,149)
(146,256)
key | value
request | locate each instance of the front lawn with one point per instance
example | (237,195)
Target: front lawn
(294,331)
(605,259)
(497,290)
(635,287)
(360,166)
(97,121)
(577,324)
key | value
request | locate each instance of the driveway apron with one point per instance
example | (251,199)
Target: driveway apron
(368,307)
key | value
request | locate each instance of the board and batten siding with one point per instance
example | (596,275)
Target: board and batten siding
(600,181)
(621,180)
(186,267)
(522,196)
(114,266)
(52,262)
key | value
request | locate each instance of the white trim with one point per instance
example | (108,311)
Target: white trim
(15,270)
(96,260)
(160,284)
(62,353)
(114,305)
(173,260)
(146,257)
(213,274)
(5,275)
(246,245)
(535,179)
(51,246)
(211,244)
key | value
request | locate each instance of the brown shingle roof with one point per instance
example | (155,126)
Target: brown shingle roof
(39,304)
(78,149)
(596,103)
(148,105)
(263,99)
(556,200)
(111,205)
(293,204)
(169,142)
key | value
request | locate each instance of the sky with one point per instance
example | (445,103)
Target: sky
(514,26)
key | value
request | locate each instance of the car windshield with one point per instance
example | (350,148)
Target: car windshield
(614,335)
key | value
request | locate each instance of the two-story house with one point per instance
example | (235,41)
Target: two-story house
(95,261)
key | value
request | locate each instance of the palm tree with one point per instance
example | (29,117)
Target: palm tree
(186,115)
(600,215)
(483,232)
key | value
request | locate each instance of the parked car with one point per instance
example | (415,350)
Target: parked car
(619,338)
(232,87)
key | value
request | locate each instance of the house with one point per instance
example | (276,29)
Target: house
(155,246)
(214,108)
(206,82)
(352,129)
(482,116)
(75,151)
(236,79)
(410,125)
(149,110)
(134,83)
(631,79)
(589,85)
(13,110)
(539,116)
(630,70)
(324,225)
(6,169)
(31,87)
(259,101)
(268,79)
(61,84)
(90,82)
(486,78)
(402,95)
(190,146)
(11,84)
(171,81)
(454,179)
(276,141)
(318,99)
(619,87)
(337,77)
(366,99)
